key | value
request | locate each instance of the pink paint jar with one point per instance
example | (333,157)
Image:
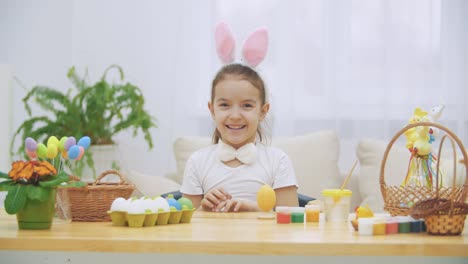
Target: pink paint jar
(391,226)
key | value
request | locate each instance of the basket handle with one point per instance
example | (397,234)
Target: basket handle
(107,172)
(454,164)
(430,124)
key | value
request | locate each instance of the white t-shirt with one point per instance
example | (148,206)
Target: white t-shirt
(204,171)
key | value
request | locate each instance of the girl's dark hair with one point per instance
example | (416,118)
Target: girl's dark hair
(241,72)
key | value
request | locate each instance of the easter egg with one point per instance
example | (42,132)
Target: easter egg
(52,141)
(173,202)
(160,205)
(71,141)
(84,142)
(136,207)
(80,155)
(52,151)
(185,203)
(266,198)
(31,154)
(61,144)
(41,150)
(119,204)
(147,204)
(73,152)
(31,144)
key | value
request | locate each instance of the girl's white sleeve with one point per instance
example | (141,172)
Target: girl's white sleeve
(191,183)
(284,175)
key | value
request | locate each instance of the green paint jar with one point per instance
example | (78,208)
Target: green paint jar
(297,215)
(404,224)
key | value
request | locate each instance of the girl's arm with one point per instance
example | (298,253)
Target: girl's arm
(196,199)
(233,205)
(210,200)
(287,196)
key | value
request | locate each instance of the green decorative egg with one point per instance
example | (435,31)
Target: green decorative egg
(185,203)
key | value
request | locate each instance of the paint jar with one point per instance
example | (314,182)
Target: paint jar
(366,226)
(404,225)
(416,226)
(337,204)
(297,214)
(312,213)
(379,227)
(283,215)
(391,226)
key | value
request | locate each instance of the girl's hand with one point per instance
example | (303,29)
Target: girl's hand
(233,205)
(213,198)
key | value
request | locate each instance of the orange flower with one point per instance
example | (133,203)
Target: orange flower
(26,169)
(44,168)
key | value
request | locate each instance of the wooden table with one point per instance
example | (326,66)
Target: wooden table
(226,233)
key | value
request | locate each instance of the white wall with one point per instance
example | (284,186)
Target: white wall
(6,82)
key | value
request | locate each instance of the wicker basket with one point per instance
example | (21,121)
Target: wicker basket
(91,203)
(397,198)
(442,216)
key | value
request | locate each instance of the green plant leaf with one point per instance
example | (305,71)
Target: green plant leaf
(4,175)
(61,177)
(6,185)
(15,199)
(37,192)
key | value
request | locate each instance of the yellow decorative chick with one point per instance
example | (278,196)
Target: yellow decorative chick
(364,212)
(361,212)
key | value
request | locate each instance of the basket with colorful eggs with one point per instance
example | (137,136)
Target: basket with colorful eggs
(144,211)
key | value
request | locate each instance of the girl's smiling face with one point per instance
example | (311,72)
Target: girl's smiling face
(237,111)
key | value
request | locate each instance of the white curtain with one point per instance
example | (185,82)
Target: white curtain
(358,67)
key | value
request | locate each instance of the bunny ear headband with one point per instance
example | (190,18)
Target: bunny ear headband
(254,48)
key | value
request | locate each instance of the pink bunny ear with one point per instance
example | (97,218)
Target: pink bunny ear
(255,47)
(224,43)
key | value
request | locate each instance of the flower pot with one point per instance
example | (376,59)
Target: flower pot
(37,214)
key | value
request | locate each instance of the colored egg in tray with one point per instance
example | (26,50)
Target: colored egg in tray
(142,212)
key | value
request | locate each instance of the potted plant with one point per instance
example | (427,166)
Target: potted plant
(31,184)
(100,111)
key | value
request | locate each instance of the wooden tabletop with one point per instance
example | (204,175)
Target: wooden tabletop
(226,233)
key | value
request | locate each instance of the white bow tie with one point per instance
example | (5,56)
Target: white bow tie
(246,154)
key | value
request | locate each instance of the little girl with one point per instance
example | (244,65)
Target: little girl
(226,176)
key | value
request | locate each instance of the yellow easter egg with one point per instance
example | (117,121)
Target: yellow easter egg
(53,140)
(266,198)
(52,151)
